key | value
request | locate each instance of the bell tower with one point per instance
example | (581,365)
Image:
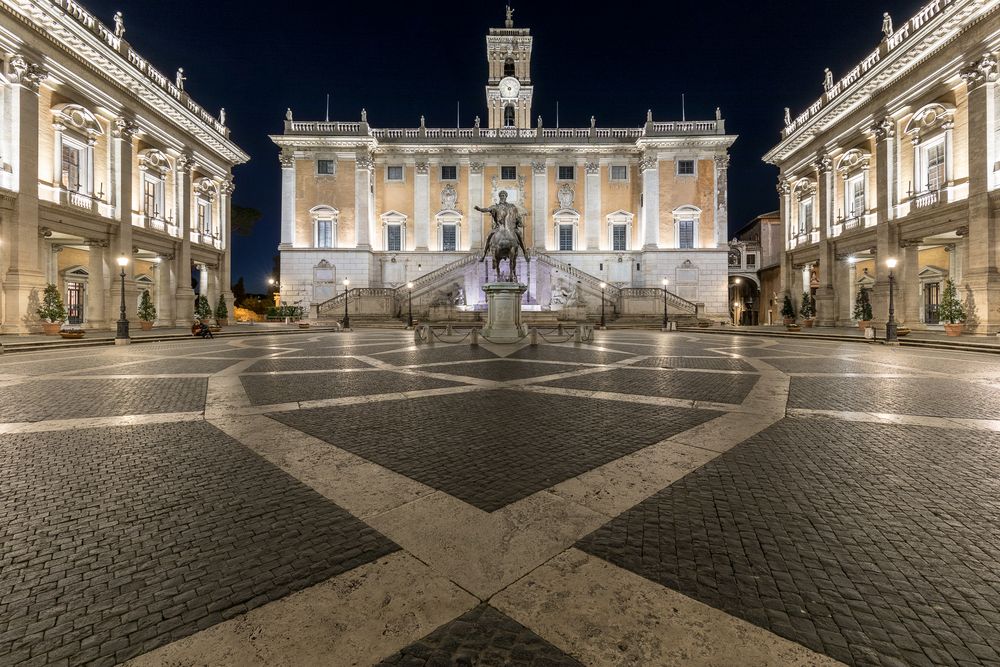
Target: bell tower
(508,90)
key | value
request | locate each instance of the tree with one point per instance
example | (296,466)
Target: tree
(239,292)
(787,309)
(863,306)
(147,311)
(951,310)
(806,309)
(221,312)
(52,308)
(202,310)
(243,220)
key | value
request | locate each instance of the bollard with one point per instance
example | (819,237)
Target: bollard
(447,329)
(577,337)
(428,334)
(560,330)
(475,338)
(534,337)
(416,335)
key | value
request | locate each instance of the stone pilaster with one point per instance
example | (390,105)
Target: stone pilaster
(908,285)
(784,188)
(421,206)
(886,234)
(363,174)
(649,166)
(540,204)
(225,233)
(475,199)
(826,315)
(183,294)
(721,201)
(592,208)
(98,276)
(287,199)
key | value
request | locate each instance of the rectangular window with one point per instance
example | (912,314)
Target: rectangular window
(149,199)
(935,166)
(205,218)
(619,172)
(856,196)
(394,172)
(394,238)
(565,173)
(686,233)
(685,167)
(71,159)
(324,233)
(805,216)
(449,238)
(449,172)
(751,260)
(565,237)
(618,238)
(508,173)
(325,167)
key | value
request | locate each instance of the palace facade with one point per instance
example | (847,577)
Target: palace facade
(626,207)
(900,159)
(102,156)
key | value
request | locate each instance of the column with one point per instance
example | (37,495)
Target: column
(203,283)
(287,199)
(475,199)
(166,287)
(24,275)
(651,202)
(845,277)
(121,158)
(183,295)
(784,188)
(886,234)
(421,205)
(826,315)
(539,205)
(721,201)
(364,165)
(97,278)
(592,208)
(225,233)
(908,285)
(981,270)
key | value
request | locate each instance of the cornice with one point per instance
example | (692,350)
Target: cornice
(52,23)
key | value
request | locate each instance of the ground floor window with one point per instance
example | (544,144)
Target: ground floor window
(619,239)
(394,238)
(565,237)
(449,237)
(685,231)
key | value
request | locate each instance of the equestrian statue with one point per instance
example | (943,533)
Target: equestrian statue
(505,237)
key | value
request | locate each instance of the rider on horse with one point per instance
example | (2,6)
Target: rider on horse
(504,215)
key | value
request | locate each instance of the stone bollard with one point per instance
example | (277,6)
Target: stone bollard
(577,335)
(475,338)
(447,329)
(560,330)
(428,334)
(416,336)
(533,337)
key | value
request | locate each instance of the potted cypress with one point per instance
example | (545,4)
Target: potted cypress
(221,312)
(807,311)
(147,311)
(863,310)
(202,310)
(787,311)
(951,311)
(52,312)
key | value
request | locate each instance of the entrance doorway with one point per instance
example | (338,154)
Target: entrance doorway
(932,296)
(74,303)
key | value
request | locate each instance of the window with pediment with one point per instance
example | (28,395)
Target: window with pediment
(930,131)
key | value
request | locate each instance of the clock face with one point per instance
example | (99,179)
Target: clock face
(509,87)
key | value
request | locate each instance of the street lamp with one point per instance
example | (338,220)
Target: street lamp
(890,326)
(603,286)
(666,323)
(347,318)
(409,305)
(122,337)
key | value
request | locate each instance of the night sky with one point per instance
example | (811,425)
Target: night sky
(406,59)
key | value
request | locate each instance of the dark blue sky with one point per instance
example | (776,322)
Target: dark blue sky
(401,60)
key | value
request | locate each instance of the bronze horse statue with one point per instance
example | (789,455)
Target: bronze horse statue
(505,239)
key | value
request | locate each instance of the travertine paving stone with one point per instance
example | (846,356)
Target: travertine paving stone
(874,544)
(116,541)
(833,365)
(265,389)
(717,364)
(939,397)
(38,400)
(429,354)
(578,353)
(482,636)
(296,364)
(721,388)
(469,445)
(166,366)
(503,370)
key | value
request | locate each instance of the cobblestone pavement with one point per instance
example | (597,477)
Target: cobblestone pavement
(175,504)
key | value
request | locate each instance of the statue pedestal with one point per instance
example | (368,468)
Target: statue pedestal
(503,312)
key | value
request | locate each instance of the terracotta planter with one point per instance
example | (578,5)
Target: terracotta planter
(303,325)
(145,326)
(902,331)
(808,323)
(864,324)
(71,335)
(794,328)
(223,321)
(51,328)
(954,329)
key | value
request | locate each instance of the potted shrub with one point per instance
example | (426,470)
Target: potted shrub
(787,311)
(951,311)
(221,312)
(71,331)
(863,310)
(52,312)
(147,311)
(202,310)
(807,310)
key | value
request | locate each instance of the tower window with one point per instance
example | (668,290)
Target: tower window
(508,67)
(565,172)
(325,167)
(508,173)
(394,172)
(685,167)
(508,116)
(449,172)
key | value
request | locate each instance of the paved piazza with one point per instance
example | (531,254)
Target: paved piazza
(643,499)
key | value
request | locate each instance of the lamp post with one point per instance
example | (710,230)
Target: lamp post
(890,325)
(603,286)
(666,322)
(736,317)
(122,337)
(347,318)
(409,306)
